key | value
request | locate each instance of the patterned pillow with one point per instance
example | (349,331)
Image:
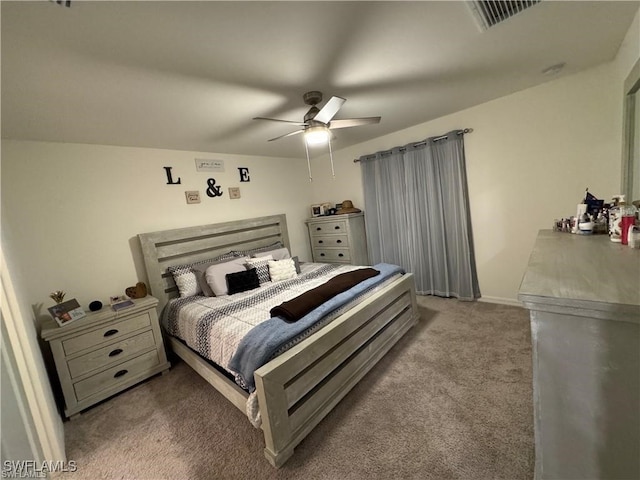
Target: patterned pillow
(282,269)
(186,278)
(242,281)
(261,265)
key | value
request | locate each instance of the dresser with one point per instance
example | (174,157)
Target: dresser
(338,239)
(106,352)
(583,296)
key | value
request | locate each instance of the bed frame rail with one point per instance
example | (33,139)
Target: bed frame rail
(297,389)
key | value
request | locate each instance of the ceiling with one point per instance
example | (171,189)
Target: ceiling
(192,75)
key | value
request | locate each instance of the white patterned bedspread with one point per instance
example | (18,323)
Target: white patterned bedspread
(215,326)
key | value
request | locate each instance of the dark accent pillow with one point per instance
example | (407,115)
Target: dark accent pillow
(242,281)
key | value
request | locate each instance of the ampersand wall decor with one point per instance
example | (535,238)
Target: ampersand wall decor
(213,190)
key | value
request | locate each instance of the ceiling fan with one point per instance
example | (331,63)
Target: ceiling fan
(317,122)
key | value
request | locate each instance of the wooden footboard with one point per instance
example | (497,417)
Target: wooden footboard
(299,388)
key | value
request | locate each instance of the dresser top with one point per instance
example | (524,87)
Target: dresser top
(51,330)
(588,271)
(333,218)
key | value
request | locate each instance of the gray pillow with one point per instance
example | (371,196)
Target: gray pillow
(216,274)
(200,269)
(186,276)
(277,254)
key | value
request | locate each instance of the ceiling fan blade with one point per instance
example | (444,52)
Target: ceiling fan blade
(353,122)
(302,124)
(286,135)
(329,110)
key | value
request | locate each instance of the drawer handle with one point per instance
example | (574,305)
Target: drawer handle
(338,241)
(320,241)
(120,373)
(322,254)
(108,333)
(337,227)
(115,352)
(318,228)
(341,254)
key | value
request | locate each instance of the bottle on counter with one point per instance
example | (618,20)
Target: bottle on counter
(615,219)
(627,221)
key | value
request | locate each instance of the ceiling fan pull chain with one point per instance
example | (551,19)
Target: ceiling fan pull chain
(331,157)
(306,148)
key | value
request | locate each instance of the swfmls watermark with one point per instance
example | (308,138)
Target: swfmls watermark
(34,469)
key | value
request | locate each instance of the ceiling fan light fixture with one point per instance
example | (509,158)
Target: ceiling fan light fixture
(318,135)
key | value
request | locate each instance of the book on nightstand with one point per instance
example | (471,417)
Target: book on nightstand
(119,303)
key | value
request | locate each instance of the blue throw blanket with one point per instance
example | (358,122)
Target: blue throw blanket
(263,341)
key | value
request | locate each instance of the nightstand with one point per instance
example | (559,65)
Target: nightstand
(338,239)
(106,352)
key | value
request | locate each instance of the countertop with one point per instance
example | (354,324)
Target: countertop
(584,271)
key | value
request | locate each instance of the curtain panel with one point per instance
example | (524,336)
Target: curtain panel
(417,214)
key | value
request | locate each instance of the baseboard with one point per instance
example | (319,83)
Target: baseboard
(501,301)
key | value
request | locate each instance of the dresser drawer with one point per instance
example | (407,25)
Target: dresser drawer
(331,255)
(118,374)
(330,241)
(107,332)
(114,353)
(336,226)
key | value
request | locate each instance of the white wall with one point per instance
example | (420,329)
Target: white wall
(529,159)
(71,212)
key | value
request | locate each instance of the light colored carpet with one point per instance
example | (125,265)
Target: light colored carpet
(452,400)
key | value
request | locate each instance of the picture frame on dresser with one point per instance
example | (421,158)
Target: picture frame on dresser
(66,312)
(316,210)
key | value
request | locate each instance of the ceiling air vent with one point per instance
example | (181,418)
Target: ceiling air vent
(491,12)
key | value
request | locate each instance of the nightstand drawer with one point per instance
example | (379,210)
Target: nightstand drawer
(108,332)
(332,254)
(330,241)
(320,228)
(118,374)
(111,354)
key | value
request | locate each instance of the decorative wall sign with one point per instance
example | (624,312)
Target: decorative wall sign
(234,193)
(213,190)
(204,165)
(193,196)
(244,174)
(169,178)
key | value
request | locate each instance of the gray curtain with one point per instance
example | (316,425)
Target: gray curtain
(417,214)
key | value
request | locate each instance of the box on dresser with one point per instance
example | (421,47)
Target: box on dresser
(338,239)
(106,352)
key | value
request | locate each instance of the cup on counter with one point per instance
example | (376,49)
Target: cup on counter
(633,236)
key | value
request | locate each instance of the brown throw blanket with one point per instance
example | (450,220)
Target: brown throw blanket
(298,307)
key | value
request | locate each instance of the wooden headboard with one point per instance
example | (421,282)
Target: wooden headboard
(181,246)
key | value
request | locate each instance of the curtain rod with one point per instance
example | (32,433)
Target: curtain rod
(435,139)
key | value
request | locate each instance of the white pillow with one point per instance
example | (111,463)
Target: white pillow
(216,275)
(282,269)
(277,254)
(261,264)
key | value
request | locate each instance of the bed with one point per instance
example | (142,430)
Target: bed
(299,387)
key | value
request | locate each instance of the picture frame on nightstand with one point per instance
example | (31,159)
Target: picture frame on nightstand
(66,312)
